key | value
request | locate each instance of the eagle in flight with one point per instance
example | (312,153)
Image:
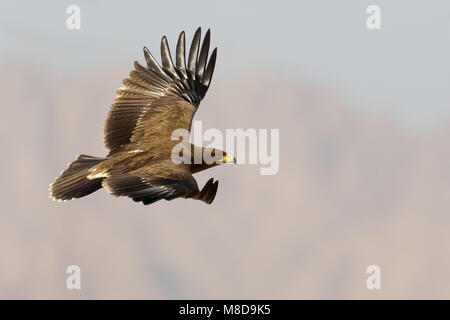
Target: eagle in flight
(155,101)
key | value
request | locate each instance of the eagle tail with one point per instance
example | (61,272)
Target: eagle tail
(73,182)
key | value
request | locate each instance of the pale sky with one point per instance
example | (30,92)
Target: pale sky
(402,69)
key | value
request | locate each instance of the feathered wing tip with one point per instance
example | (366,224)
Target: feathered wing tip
(180,62)
(192,80)
(166,58)
(193,52)
(201,62)
(208,192)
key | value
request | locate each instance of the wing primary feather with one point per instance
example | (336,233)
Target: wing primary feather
(207,76)
(180,56)
(212,192)
(153,65)
(193,52)
(201,63)
(203,193)
(166,58)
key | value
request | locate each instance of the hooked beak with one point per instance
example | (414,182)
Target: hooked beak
(228,159)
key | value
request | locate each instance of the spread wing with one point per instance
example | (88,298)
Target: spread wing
(163,180)
(157,98)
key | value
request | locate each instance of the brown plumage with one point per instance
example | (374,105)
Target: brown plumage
(155,101)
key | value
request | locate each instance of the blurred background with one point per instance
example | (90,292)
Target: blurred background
(364,123)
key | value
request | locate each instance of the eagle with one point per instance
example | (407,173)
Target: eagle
(155,101)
